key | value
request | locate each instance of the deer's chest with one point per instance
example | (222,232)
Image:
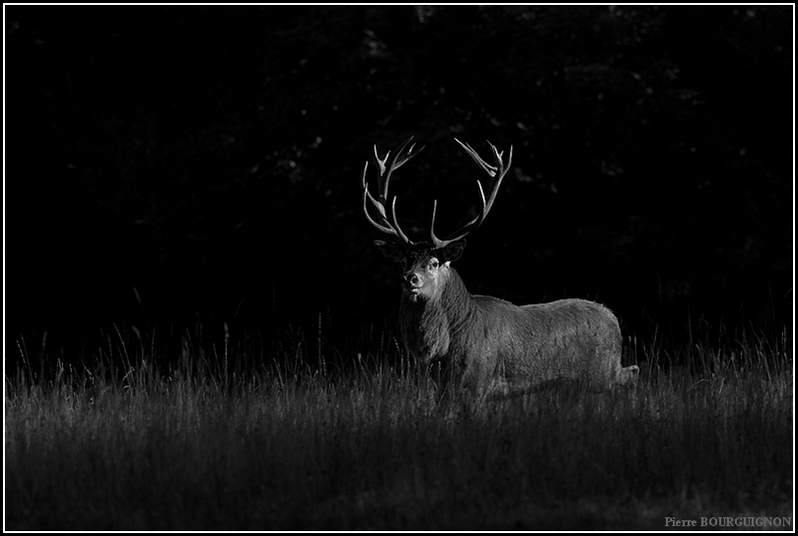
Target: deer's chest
(425,331)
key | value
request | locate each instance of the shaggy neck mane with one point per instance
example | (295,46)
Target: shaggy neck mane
(455,301)
(430,325)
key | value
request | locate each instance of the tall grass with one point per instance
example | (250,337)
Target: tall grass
(144,431)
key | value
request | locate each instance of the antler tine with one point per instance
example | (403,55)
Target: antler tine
(401,156)
(386,168)
(499,169)
(379,206)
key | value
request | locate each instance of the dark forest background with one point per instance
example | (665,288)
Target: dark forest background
(168,165)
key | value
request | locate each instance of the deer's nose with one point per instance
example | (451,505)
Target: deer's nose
(412,278)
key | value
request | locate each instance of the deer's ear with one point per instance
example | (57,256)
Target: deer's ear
(451,252)
(391,251)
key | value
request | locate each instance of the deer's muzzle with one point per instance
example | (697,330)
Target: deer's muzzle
(412,283)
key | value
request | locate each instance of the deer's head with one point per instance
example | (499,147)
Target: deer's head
(425,264)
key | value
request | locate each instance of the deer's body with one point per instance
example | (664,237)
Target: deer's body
(484,343)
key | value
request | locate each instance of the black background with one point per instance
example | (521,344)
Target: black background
(169,165)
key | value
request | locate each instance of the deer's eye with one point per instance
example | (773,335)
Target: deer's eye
(433,263)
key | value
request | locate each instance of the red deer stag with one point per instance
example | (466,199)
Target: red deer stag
(485,344)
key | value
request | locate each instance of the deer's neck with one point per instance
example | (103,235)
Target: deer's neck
(430,326)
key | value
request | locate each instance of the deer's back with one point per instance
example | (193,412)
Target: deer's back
(564,338)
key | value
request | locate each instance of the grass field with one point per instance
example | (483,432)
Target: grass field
(221,436)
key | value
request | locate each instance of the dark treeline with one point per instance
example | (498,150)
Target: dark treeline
(166,165)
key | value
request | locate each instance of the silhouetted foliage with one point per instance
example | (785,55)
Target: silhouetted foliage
(209,157)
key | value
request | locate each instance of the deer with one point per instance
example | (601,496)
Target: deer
(482,344)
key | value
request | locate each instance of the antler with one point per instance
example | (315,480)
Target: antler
(500,169)
(401,156)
